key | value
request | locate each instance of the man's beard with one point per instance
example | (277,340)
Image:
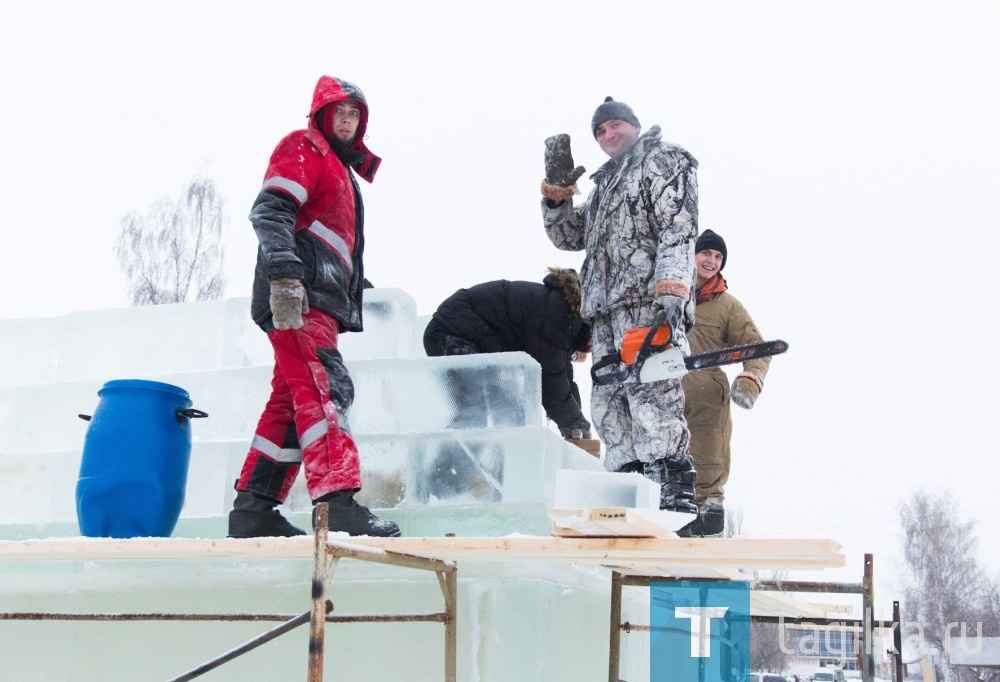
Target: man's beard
(348,142)
(337,144)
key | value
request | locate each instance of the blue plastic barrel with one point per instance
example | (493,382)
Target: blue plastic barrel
(135,460)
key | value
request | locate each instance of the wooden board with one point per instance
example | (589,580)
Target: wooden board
(716,552)
(680,552)
(762,603)
(154,549)
(589,445)
(782,604)
(616,522)
(674,571)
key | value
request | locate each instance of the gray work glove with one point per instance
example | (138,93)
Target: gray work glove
(559,169)
(745,390)
(673,305)
(674,308)
(288,303)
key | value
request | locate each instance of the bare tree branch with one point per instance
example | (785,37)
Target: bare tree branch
(768,641)
(946,585)
(176,251)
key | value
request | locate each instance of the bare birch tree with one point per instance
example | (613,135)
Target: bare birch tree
(946,586)
(175,253)
(768,641)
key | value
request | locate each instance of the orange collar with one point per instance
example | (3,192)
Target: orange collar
(711,288)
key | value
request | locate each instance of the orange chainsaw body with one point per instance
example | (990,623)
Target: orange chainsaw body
(635,337)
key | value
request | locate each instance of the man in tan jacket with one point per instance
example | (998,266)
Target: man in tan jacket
(720,321)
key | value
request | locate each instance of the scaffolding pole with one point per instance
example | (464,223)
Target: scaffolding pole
(866,623)
(327,553)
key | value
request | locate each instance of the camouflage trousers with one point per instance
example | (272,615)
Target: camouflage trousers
(635,421)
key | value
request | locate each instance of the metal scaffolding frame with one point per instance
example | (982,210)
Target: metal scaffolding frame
(867,623)
(326,554)
(623,561)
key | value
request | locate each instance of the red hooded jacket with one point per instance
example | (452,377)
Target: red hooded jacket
(309,217)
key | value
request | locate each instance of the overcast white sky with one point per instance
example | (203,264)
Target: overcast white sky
(849,151)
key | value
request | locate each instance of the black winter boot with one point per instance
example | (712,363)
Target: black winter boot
(677,477)
(347,516)
(254,516)
(711,522)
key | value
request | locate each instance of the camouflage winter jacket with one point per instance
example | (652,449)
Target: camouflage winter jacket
(638,226)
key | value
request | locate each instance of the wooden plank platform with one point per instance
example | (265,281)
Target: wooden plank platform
(714,552)
(668,557)
(681,554)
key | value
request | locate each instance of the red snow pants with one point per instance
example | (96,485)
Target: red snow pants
(304,421)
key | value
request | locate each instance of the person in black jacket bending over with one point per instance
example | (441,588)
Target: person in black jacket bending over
(540,319)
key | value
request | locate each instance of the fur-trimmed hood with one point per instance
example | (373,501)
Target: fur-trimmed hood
(567,280)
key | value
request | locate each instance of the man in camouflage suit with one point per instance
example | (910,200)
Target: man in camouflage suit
(638,228)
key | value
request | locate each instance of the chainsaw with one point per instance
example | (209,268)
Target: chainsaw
(649,354)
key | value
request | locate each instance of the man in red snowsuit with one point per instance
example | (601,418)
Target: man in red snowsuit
(307,289)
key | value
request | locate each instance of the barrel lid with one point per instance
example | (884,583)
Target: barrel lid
(145,385)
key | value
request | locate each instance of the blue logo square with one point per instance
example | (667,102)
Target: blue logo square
(699,631)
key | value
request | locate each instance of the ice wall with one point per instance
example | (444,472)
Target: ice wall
(52,368)
(493,476)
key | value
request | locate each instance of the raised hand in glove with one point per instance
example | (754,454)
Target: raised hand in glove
(746,387)
(560,174)
(559,169)
(288,302)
